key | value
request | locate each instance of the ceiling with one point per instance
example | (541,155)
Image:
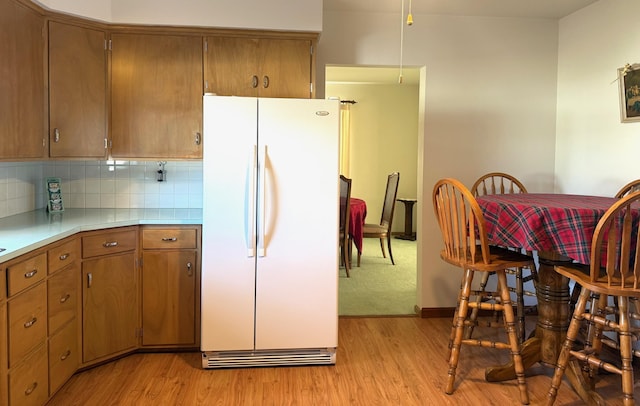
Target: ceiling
(553,9)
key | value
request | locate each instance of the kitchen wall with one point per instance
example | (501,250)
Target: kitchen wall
(595,152)
(299,15)
(487,103)
(101,184)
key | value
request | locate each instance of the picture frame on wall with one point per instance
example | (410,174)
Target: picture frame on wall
(629,78)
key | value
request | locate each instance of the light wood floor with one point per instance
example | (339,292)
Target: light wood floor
(380,361)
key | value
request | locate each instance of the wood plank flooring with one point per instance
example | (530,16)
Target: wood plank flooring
(380,361)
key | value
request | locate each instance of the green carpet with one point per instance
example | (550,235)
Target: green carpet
(377,287)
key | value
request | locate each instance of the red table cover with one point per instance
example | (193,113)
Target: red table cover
(544,222)
(357,214)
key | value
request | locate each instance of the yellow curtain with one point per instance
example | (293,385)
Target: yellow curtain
(345,130)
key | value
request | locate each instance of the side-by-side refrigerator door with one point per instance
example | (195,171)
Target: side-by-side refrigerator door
(229,226)
(296,279)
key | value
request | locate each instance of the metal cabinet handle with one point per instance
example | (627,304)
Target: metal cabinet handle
(31,388)
(31,274)
(265,81)
(64,256)
(30,322)
(65,298)
(65,355)
(109,244)
(254,81)
(56,135)
(169,239)
(89,279)
(198,138)
(189,269)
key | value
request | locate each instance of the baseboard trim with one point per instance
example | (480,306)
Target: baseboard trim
(439,312)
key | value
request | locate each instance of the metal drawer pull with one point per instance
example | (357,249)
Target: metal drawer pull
(170,239)
(64,256)
(189,270)
(65,298)
(30,322)
(31,274)
(31,388)
(265,81)
(254,81)
(198,138)
(110,244)
(89,279)
(65,355)
(56,135)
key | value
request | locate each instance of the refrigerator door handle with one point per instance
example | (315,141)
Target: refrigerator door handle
(250,221)
(261,200)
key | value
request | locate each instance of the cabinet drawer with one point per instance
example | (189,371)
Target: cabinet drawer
(28,383)
(63,356)
(108,243)
(27,314)
(63,255)
(62,292)
(159,238)
(26,273)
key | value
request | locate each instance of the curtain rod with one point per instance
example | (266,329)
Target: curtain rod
(348,101)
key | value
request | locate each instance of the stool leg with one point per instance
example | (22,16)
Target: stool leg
(474,312)
(520,305)
(567,346)
(626,354)
(514,342)
(458,329)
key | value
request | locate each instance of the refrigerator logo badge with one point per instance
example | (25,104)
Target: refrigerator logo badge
(322,113)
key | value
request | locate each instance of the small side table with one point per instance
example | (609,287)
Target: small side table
(408,219)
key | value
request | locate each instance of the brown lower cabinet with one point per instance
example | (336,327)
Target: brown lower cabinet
(82,301)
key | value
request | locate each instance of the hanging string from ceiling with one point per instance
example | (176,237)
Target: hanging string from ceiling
(402,22)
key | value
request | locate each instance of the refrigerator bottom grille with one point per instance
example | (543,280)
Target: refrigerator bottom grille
(242,359)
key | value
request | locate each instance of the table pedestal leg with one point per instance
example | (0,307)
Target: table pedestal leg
(552,291)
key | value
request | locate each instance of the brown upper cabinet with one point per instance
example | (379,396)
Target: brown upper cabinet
(156,96)
(77,92)
(264,67)
(22,84)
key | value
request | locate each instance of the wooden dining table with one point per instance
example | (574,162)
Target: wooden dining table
(357,215)
(559,228)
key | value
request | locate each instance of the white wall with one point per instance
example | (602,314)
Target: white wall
(489,103)
(595,152)
(292,15)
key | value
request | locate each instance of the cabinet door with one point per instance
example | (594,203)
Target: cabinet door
(110,305)
(231,66)
(22,94)
(285,68)
(77,91)
(169,297)
(156,96)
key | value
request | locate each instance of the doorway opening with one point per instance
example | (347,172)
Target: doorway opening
(383,138)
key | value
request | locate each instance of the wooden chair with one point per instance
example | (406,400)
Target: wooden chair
(383,230)
(630,187)
(502,183)
(345,211)
(614,271)
(466,246)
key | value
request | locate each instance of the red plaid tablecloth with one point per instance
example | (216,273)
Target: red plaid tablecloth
(544,222)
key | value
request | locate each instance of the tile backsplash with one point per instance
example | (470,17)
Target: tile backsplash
(101,184)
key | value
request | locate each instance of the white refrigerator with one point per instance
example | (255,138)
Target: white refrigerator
(269,232)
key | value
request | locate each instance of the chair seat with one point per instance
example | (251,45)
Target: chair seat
(374,229)
(581,274)
(499,258)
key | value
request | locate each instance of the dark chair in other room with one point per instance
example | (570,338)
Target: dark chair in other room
(345,211)
(502,183)
(382,231)
(466,246)
(614,270)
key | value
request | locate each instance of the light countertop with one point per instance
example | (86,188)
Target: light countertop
(25,232)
